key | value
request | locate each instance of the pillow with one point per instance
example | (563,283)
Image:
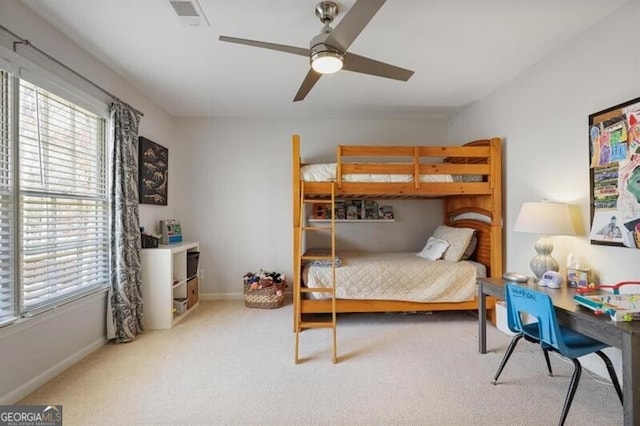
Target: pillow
(471,247)
(467,178)
(458,239)
(324,263)
(434,249)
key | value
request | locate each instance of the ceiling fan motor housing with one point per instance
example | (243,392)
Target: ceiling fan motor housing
(318,48)
(317,45)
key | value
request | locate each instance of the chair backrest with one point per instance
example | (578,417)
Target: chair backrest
(538,305)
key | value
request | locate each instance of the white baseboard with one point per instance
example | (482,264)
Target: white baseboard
(221,296)
(33,384)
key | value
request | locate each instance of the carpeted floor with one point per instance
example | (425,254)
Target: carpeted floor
(230,365)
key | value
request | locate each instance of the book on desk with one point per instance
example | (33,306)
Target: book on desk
(620,307)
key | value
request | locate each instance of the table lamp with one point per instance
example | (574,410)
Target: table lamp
(546,218)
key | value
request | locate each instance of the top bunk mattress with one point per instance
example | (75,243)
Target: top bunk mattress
(398,276)
(326,172)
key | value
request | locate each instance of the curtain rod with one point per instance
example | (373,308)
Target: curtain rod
(27,43)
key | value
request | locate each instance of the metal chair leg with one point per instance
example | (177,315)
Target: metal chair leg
(507,354)
(575,379)
(612,374)
(546,358)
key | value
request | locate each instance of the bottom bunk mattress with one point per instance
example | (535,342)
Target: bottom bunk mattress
(396,276)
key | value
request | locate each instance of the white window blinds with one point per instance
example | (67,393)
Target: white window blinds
(7,207)
(64,234)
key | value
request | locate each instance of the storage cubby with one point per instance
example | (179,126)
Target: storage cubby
(165,278)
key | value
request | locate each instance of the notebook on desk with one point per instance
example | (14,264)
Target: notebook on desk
(620,307)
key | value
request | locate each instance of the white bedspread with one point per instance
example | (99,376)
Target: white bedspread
(397,276)
(326,172)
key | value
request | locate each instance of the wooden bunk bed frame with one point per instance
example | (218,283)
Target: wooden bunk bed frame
(481,157)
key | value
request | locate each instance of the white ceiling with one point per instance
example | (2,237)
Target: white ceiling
(460,50)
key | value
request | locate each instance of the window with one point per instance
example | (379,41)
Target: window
(7,208)
(60,201)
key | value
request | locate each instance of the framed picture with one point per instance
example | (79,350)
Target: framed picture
(578,277)
(614,147)
(153,172)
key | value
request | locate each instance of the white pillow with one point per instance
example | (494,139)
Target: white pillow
(434,249)
(458,239)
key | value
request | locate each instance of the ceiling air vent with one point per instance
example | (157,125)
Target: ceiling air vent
(189,12)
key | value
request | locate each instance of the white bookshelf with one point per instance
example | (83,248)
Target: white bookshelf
(164,278)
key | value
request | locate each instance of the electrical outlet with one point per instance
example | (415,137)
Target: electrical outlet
(201,274)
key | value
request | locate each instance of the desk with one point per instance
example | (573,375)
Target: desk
(622,335)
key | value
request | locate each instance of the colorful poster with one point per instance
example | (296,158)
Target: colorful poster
(614,140)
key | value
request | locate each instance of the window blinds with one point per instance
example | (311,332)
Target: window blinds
(64,235)
(7,208)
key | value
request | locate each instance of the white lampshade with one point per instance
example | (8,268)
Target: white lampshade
(327,62)
(545,218)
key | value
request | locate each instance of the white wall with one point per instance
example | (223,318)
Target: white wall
(241,190)
(36,350)
(543,116)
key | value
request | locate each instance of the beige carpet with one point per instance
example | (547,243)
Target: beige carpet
(230,365)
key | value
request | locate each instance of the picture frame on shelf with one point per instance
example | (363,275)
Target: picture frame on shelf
(341,210)
(370,210)
(385,212)
(354,210)
(320,212)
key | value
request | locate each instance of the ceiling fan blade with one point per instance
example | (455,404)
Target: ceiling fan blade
(353,23)
(273,46)
(357,63)
(309,81)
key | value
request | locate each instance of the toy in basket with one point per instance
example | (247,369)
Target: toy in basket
(264,290)
(620,307)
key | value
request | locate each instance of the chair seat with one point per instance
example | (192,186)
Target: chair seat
(577,344)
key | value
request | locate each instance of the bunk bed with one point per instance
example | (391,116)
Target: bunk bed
(468,178)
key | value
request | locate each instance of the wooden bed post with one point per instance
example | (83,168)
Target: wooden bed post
(339,166)
(496,221)
(296,179)
(296,164)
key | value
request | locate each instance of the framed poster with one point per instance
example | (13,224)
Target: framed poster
(614,148)
(153,172)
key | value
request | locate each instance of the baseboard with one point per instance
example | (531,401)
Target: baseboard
(35,383)
(221,296)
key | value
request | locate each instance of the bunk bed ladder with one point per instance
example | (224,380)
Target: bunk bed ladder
(299,290)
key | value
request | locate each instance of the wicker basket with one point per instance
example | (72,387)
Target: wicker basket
(265,298)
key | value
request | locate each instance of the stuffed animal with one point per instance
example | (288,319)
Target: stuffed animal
(265,282)
(265,279)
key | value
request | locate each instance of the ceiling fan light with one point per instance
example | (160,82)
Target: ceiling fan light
(327,62)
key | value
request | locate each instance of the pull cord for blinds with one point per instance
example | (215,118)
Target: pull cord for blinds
(27,43)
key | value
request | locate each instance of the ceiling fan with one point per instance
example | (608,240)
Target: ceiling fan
(328,50)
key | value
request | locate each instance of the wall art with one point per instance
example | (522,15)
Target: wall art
(153,172)
(614,142)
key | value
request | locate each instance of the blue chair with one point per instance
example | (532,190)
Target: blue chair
(551,336)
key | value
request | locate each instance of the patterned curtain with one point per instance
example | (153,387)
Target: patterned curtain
(125,306)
